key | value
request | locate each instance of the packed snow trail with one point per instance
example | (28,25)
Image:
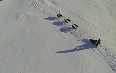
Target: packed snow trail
(48,7)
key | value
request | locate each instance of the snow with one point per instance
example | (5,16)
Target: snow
(34,40)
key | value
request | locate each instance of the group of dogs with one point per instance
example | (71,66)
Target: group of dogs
(74,26)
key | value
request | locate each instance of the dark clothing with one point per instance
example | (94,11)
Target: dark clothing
(59,15)
(73,27)
(95,42)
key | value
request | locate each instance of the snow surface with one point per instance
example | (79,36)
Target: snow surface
(34,40)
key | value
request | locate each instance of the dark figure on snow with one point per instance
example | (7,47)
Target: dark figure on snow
(98,42)
(59,15)
(67,20)
(74,26)
(95,42)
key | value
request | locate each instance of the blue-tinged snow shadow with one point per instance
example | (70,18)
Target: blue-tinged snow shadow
(51,18)
(58,23)
(87,45)
(65,29)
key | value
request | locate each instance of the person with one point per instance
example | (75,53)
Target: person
(98,42)
(74,26)
(59,15)
(65,20)
(95,42)
(69,20)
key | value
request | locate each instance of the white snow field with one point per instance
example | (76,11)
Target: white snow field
(34,40)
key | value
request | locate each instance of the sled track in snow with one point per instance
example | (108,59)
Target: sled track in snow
(108,56)
(79,33)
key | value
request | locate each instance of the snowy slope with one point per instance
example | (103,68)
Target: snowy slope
(34,40)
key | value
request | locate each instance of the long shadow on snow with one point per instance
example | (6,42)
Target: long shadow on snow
(87,45)
(64,28)
(58,23)
(55,23)
(51,18)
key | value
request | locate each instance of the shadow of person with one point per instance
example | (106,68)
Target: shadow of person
(59,23)
(87,45)
(51,18)
(65,29)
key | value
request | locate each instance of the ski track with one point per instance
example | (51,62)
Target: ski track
(47,8)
